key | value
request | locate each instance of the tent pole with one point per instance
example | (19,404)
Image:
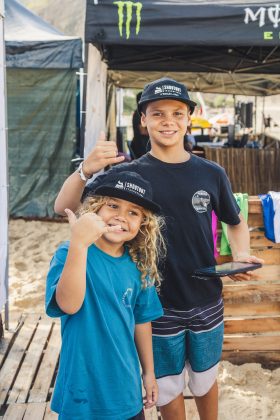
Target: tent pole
(84,103)
(255,115)
(4,174)
(7,294)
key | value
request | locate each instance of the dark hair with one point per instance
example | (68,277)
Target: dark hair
(136,121)
(138,96)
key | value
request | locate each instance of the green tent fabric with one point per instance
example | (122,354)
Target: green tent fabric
(242,201)
(41,137)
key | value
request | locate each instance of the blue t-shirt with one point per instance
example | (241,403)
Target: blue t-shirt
(99,374)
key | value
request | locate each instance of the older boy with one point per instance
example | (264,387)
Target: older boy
(189,336)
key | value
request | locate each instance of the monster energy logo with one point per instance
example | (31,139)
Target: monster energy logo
(263,14)
(129,5)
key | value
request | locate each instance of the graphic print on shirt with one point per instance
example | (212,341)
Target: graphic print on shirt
(200,201)
(127,298)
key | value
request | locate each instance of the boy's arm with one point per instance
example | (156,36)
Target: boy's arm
(239,240)
(70,194)
(103,154)
(71,287)
(143,341)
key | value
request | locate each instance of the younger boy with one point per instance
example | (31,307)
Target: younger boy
(101,285)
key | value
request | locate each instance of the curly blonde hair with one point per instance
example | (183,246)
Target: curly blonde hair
(147,248)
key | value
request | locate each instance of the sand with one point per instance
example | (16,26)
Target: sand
(247,392)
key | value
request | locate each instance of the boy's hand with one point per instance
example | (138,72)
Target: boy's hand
(88,228)
(105,153)
(250,274)
(150,385)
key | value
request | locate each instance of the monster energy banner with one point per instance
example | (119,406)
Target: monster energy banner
(185,23)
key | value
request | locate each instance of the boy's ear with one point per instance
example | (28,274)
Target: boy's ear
(143,119)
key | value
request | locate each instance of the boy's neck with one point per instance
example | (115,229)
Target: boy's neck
(115,250)
(170,155)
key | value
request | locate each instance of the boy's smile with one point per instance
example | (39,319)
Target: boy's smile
(167,121)
(117,212)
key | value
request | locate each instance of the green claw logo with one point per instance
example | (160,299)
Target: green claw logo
(129,9)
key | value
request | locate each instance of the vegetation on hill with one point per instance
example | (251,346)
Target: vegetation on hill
(66,16)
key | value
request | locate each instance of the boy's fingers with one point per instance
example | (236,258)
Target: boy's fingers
(112,228)
(241,277)
(117,159)
(102,136)
(149,396)
(71,216)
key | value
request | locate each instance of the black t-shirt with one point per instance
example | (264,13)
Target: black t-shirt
(187,193)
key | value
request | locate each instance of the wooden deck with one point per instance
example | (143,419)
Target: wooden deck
(29,354)
(29,357)
(252,309)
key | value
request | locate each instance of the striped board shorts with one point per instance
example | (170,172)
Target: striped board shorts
(187,342)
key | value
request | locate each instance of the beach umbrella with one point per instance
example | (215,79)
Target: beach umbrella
(200,122)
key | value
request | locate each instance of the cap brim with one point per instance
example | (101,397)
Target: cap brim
(126,195)
(188,102)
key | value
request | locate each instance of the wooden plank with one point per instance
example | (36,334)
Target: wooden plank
(4,345)
(49,414)
(15,412)
(35,411)
(252,325)
(252,309)
(269,271)
(268,359)
(25,376)
(258,239)
(255,205)
(15,356)
(10,335)
(270,256)
(240,292)
(255,219)
(40,389)
(252,342)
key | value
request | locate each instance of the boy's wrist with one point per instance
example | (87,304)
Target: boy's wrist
(239,256)
(86,171)
(77,243)
(148,372)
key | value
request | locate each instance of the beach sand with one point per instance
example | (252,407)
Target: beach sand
(247,392)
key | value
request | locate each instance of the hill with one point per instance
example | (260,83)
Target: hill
(66,16)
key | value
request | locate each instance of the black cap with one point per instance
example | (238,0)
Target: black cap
(165,88)
(128,186)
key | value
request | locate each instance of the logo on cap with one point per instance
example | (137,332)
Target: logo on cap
(158,89)
(168,90)
(128,186)
(119,185)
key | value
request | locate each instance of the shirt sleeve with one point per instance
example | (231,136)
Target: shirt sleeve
(226,207)
(148,306)
(56,268)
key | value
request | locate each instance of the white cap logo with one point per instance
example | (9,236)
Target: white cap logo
(119,185)
(168,90)
(158,90)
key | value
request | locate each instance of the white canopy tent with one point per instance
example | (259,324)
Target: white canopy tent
(3,175)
